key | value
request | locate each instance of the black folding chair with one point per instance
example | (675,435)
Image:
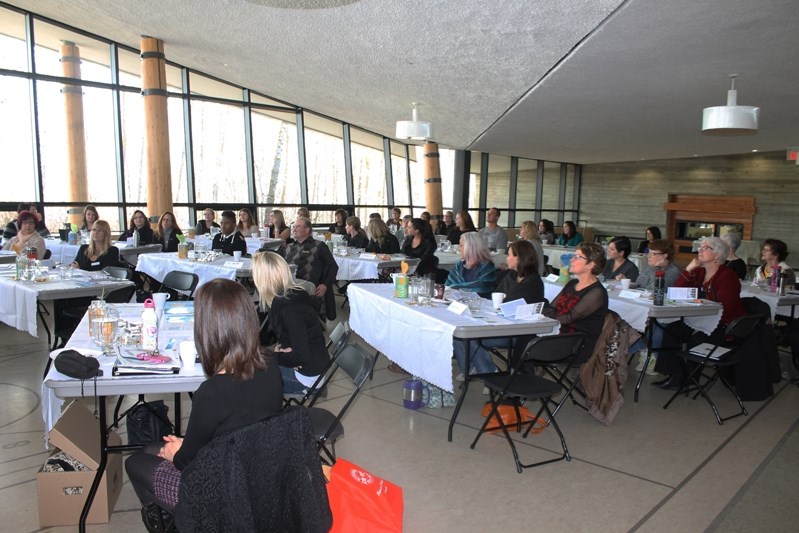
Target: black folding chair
(357,364)
(180,284)
(719,358)
(119,272)
(523,384)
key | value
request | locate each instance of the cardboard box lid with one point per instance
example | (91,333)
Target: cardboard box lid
(77,432)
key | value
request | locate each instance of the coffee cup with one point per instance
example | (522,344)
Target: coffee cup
(188,353)
(237,255)
(625,283)
(160,299)
(497,298)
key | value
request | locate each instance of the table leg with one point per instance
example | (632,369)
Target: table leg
(100,468)
(177,414)
(464,389)
(650,334)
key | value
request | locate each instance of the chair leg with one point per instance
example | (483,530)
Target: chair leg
(565,455)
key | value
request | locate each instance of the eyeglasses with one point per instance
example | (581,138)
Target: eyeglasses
(577,256)
(705,248)
(657,253)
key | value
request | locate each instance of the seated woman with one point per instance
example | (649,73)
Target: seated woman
(521,281)
(277,226)
(340,227)
(652,234)
(243,387)
(445,224)
(167,232)
(738,265)
(583,303)
(294,320)
(204,226)
(246,224)
(659,259)
(382,241)
(546,230)
(99,253)
(529,233)
(475,271)
(463,224)
(618,266)
(140,224)
(570,236)
(425,216)
(27,235)
(715,282)
(90,216)
(356,236)
(420,244)
(774,254)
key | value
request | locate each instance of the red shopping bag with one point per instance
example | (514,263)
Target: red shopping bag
(363,502)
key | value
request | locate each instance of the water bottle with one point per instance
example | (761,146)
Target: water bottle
(149,327)
(775,279)
(783,282)
(135,238)
(660,288)
(265,234)
(22,265)
(72,237)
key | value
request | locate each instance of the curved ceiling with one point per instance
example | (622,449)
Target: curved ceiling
(562,80)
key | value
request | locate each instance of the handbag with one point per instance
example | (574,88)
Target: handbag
(507,412)
(435,397)
(148,422)
(74,364)
(362,502)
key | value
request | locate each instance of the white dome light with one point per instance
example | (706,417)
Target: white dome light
(731,119)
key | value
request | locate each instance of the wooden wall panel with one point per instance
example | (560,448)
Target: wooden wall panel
(625,198)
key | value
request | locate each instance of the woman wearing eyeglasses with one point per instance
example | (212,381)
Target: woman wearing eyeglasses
(715,282)
(583,303)
(138,222)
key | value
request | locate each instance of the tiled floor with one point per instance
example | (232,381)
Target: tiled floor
(652,470)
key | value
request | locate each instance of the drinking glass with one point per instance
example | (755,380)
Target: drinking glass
(105,329)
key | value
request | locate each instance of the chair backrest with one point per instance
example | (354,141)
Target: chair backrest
(339,338)
(182,283)
(131,255)
(552,348)
(47,254)
(263,477)
(119,272)
(741,328)
(122,295)
(358,365)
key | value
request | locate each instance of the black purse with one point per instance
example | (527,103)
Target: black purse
(77,366)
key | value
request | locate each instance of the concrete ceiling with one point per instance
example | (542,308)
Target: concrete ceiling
(581,81)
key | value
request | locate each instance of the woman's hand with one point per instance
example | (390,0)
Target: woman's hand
(171,446)
(279,348)
(620,277)
(693,264)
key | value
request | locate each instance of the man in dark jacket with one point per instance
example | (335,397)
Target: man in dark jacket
(314,263)
(229,240)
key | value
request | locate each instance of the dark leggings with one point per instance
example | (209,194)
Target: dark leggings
(141,468)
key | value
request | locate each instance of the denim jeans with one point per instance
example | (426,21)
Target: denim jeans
(657,341)
(291,384)
(481,359)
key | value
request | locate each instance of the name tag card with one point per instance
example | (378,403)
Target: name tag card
(682,293)
(458,308)
(552,278)
(233,264)
(368,256)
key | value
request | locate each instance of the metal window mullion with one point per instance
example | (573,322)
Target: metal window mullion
(345,131)
(539,187)
(578,180)
(34,96)
(514,179)
(389,171)
(248,147)
(188,144)
(301,155)
(562,188)
(408,176)
(481,201)
(117,110)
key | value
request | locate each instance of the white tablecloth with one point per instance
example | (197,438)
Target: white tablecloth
(779,305)
(18,298)
(555,254)
(447,260)
(636,311)
(61,251)
(419,339)
(157,266)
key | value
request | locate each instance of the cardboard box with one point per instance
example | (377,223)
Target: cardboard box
(62,494)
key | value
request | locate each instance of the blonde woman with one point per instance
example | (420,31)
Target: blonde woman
(277,226)
(99,253)
(204,226)
(294,320)
(246,225)
(90,216)
(382,240)
(529,232)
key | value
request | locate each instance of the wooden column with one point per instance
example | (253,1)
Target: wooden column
(432,184)
(156,126)
(78,188)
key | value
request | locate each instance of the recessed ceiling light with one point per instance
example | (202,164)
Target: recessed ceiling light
(696,155)
(754,150)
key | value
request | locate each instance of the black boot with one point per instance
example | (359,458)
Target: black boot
(157,520)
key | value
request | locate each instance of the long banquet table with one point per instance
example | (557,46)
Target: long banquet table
(157,266)
(419,339)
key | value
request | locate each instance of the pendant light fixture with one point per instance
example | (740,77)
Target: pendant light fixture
(415,129)
(731,119)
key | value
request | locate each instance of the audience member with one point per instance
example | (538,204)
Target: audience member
(738,265)
(494,236)
(99,253)
(381,241)
(475,271)
(229,240)
(463,224)
(141,225)
(166,234)
(356,236)
(652,234)
(27,236)
(90,216)
(618,266)
(419,243)
(340,226)
(546,230)
(208,221)
(570,236)
(246,225)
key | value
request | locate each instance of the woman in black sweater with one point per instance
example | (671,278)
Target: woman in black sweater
(99,253)
(243,387)
(294,320)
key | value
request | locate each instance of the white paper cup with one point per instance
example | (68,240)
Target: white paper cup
(625,283)
(188,353)
(237,255)
(160,298)
(497,298)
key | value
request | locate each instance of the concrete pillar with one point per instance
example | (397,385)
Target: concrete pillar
(156,126)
